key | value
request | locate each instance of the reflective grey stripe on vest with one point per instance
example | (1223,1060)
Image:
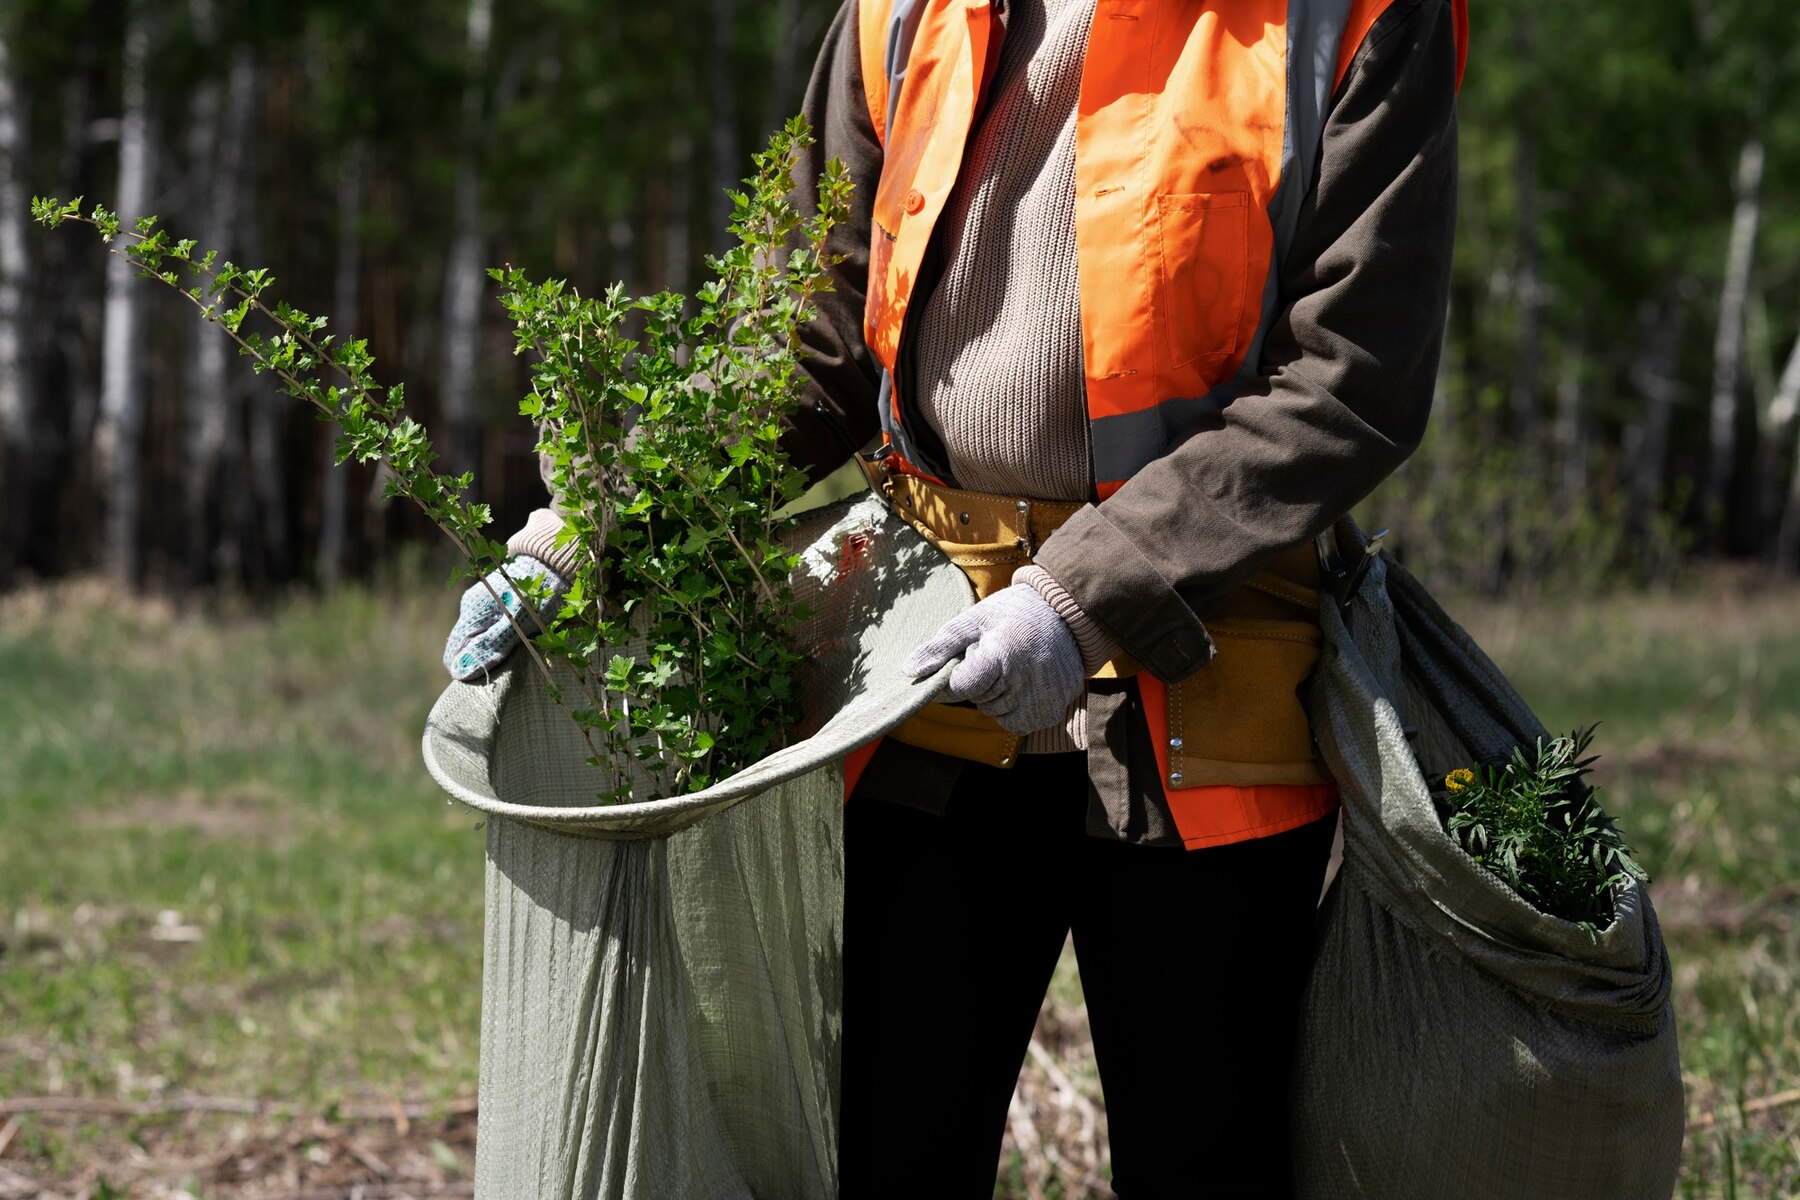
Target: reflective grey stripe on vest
(903,26)
(1126,442)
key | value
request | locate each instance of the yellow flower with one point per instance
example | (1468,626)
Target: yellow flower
(1459,779)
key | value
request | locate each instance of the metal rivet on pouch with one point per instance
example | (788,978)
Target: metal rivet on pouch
(1023,505)
(1174,743)
(963,517)
(1175,778)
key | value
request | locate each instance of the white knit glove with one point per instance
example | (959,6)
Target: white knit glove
(1020,663)
(483,636)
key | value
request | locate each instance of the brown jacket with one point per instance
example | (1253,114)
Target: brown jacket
(1347,378)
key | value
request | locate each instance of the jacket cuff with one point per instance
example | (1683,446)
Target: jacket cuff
(1097,646)
(1112,582)
(538,539)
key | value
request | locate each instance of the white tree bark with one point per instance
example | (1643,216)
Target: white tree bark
(119,429)
(463,274)
(347,285)
(1728,341)
(1784,424)
(19,442)
(222,133)
(1784,404)
(16,409)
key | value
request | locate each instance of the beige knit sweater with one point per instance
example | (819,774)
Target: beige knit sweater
(996,363)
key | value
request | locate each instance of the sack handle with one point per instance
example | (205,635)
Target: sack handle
(1341,578)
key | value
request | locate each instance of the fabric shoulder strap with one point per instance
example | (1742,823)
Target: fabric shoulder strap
(885,30)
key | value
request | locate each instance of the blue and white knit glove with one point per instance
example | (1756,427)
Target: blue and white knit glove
(1021,664)
(482,636)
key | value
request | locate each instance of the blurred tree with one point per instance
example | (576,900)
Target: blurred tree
(118,434)
(221,125)
(464,278)
(379,156)
(18,399)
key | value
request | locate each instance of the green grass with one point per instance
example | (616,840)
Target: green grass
(223,870)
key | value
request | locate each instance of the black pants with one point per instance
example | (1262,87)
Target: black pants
(1191,963)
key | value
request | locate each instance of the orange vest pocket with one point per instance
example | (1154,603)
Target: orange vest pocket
(1204,243)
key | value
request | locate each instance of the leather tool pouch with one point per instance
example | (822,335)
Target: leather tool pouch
(1241,720)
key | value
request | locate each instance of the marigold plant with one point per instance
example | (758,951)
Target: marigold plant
(1535,823)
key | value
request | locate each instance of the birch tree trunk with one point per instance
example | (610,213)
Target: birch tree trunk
(1784,425)
(18,407)
(214,410)
(463,273)
(346,287)
(1728,344)
(119,430)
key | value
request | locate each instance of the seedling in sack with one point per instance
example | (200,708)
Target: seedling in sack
(1535,823)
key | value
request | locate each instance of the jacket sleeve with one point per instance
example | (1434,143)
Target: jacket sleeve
(837,415)
(1347,375)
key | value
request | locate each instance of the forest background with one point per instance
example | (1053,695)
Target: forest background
(221,881)
(1620,390)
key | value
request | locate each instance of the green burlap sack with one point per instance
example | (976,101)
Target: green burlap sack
(661,1004)
(1457,1044)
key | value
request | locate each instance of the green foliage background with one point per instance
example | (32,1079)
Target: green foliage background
(1600,145)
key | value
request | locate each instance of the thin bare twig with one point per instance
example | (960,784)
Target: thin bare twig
(380,1191)
(1757,1105)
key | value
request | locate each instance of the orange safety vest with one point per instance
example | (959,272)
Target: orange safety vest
(1196,138)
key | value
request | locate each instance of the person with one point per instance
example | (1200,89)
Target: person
(1138,298)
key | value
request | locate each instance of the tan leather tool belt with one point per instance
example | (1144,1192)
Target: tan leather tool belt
(1239,720)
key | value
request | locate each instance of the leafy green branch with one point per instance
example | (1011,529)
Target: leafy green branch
(371,420)
(663,452)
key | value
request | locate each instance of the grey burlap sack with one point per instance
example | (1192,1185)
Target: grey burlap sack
(661,998)
(1455,1043)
